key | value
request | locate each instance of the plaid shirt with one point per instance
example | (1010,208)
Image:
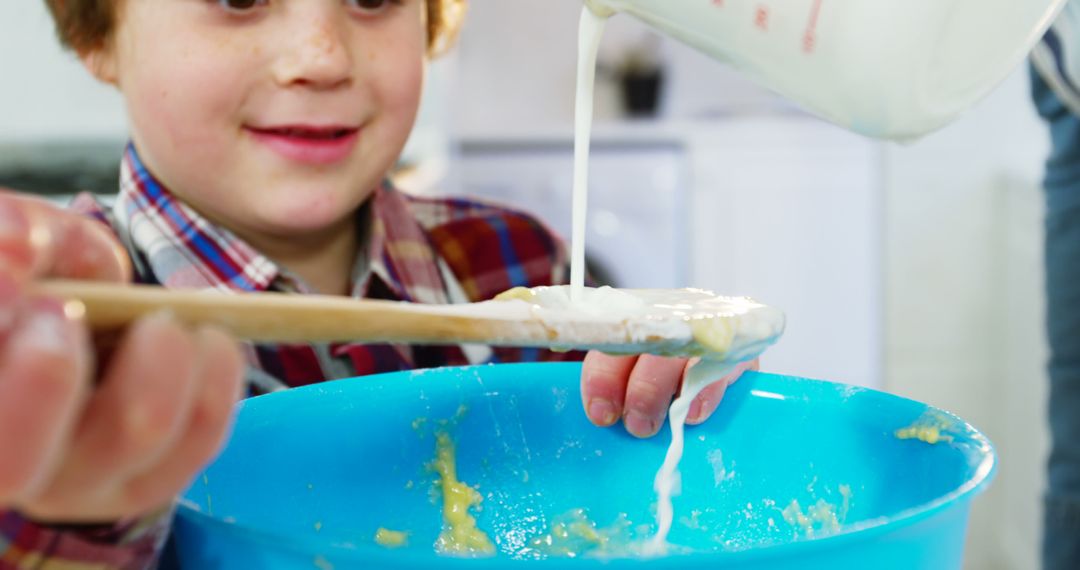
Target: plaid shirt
(412,249)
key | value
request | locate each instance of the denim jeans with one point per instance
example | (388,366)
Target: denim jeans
(1061,537)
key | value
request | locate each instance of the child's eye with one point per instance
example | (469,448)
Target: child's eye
(371,6)
(241,5)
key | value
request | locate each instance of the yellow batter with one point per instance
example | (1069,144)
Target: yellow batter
(928,429)
(574,534)
(821,517)
(716,335)
(460,535)
(391,538)
(517,294)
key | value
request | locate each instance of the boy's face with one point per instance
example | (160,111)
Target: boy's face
(275,118)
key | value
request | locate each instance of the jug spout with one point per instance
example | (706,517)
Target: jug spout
(600,9)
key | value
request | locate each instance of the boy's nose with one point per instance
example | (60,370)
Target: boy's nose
(317,54)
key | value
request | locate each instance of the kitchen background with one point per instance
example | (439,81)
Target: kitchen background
(912,268)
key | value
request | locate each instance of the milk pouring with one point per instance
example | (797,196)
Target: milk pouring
(885,68)
(895,69)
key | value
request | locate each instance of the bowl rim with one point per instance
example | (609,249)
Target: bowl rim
(983,474)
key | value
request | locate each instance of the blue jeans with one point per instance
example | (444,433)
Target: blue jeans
(1061,538)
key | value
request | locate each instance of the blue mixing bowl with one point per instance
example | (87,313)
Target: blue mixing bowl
(789,473)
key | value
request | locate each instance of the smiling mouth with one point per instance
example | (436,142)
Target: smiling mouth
(311,145)
(307,133)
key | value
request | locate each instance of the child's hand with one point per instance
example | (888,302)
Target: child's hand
(75,453)
(640,388)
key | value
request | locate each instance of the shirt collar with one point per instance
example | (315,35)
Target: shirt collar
(185,250)
(400,251)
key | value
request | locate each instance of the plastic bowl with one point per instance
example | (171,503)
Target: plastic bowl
(310,474)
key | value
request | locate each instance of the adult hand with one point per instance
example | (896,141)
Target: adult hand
(74,452)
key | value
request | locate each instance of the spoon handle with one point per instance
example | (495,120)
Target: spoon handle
(283,317)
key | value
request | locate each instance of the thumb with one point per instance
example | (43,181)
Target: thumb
(39,240)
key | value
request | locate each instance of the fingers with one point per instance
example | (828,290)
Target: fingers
(640,389)
(44,379)
(160,415)
(137,412)
(707,401)
(45,356)
(652,383)
(38,239)
(16,240)
(603,386)
(221,372)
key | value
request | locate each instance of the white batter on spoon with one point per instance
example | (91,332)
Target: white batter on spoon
(666,322)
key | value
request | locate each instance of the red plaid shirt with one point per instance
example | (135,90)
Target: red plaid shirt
(413,249)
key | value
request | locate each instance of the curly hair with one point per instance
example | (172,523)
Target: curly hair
(86,25)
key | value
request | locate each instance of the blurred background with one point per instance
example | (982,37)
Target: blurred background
(912,268)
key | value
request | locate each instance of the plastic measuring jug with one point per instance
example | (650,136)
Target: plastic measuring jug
(886,68)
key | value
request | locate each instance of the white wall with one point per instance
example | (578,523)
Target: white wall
(964,300)
(513,47)
(44,92)
(789,210)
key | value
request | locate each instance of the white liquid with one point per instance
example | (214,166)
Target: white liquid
(700,375)
(697,378)
(590,31)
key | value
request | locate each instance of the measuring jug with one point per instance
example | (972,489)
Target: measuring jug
(893,69)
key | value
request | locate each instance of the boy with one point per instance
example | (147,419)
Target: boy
(262,132)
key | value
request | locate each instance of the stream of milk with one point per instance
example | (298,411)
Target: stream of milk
(700,375)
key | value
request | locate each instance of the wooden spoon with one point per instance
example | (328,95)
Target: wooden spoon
(283,317)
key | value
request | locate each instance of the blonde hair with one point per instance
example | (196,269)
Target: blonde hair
(86,25)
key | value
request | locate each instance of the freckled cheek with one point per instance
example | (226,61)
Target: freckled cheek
(190,105)
(185,119)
